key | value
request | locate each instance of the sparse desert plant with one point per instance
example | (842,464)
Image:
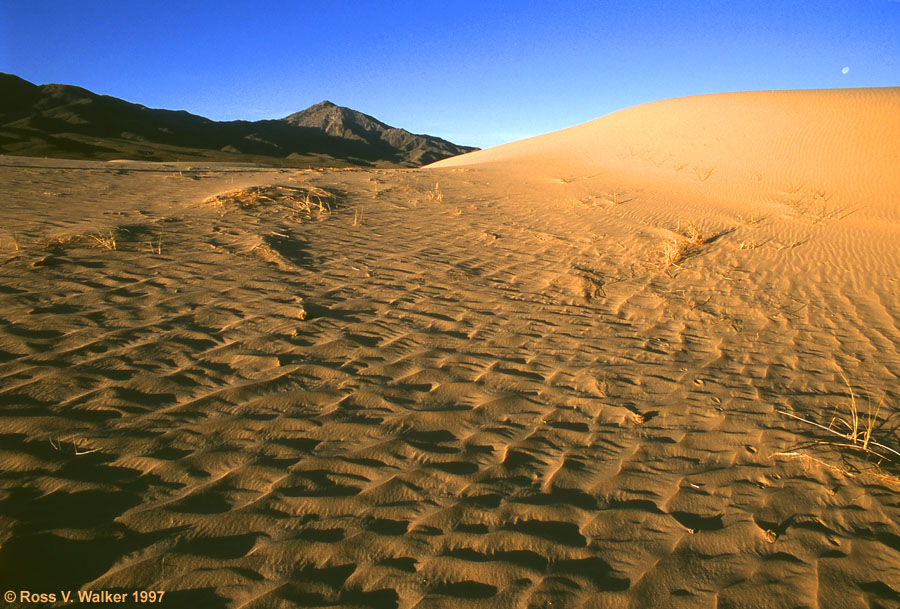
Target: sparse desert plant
(57,243)
(615,197)
(797,203)
(792,188)
(104,240)
(695,232)
(245,198)
(788,245)
(748,244)
(853,427)
(156,246)
(853,431)
(308,200)
(673,252)
(750,220)
(812,204)
(603,387)
(318,199)
(821,194)
(704,173)
(78,445)
(436,194)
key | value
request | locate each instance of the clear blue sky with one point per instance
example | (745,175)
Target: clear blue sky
(478,73)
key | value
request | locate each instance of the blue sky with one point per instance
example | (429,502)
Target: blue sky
(477,73)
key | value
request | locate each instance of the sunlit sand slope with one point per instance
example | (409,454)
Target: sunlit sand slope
(838,142)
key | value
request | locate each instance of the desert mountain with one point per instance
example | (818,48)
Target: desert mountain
(354,126)
(70,122)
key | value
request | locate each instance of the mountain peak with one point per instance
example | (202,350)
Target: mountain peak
(323,104)
(337,121)
(354,126)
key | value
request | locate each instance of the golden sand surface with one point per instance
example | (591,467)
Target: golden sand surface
(557,373)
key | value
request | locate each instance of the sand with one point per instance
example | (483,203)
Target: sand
(549,374)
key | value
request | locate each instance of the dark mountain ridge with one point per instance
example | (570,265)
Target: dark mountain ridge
(66,121)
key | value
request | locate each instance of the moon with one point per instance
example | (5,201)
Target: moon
(845,70)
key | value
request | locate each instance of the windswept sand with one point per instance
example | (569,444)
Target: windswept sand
(479,384)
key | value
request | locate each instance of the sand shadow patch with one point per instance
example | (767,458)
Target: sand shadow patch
(316,483)
(467,589)
(323,535)
(566,533)
(376,599)
(880,590)
(334,576)
(458,468)
(223,548)
(696,522)
(77,510)
(560,496)
(48,561)
(288,246)
(386,526)
(520,558)
(209,502)
(594,570)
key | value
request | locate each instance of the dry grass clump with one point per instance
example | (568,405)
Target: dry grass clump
(308,200)
(788,245)
(750,220)
(156,246)
(436,194)
(616,197)
(63,241)
(318,200)
(612,198)
(244,198)
(813,205)
(105,240)
(695,232)
(78,445)
(689,238)
(854,428)
(673,252)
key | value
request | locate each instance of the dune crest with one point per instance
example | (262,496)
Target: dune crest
(839,142)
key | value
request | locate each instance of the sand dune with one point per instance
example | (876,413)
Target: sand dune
(838,142)
(549,374)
